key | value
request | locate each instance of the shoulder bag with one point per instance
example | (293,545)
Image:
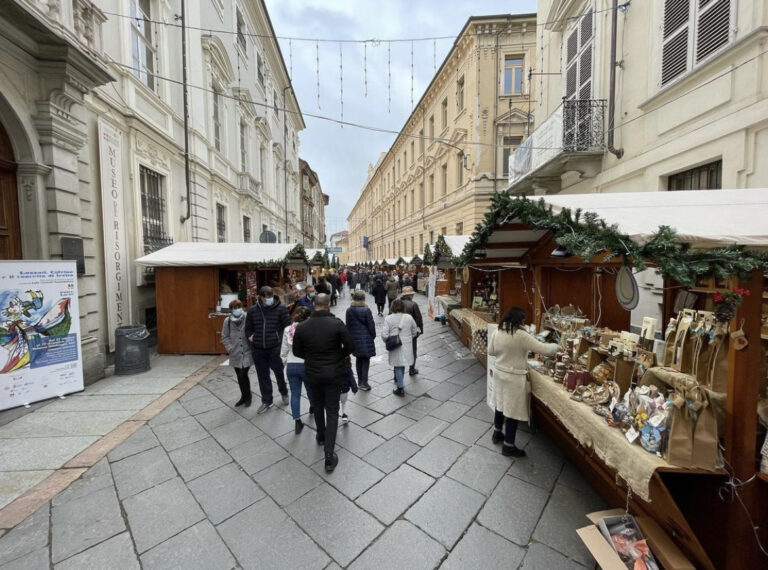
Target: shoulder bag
(393,341)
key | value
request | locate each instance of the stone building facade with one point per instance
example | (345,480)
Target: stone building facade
(313,203)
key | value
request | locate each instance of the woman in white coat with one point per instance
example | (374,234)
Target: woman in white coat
(511,389)
(398,322)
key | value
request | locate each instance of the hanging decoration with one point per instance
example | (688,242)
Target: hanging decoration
(317,66)
(434,56)
(365,69)
(627,291)
(341,82)
(389,77)
(296,255)
(411,75)
(290,59)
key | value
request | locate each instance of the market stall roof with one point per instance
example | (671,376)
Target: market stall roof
(199,254)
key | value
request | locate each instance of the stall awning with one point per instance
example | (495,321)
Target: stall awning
(200,254)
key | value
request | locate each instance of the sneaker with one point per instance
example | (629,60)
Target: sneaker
(497,436)
(331,461)
(512,451)
(284,397)
(299,427)
(344,419)
(398,392)
(365,387)
(263,408)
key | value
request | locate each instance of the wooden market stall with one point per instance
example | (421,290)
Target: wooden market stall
(195,281)
(713,243)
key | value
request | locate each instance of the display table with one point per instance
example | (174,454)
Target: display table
(449,303)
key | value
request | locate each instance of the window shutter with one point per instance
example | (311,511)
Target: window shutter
(585,73)
(713,27)
(674,53)
(586,28)
(571,80)
(573,45)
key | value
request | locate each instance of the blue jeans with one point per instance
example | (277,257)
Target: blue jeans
(399,373)
(296,377)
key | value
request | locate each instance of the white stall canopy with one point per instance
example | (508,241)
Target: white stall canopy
(200,254)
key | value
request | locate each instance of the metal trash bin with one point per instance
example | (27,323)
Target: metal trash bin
(131,350)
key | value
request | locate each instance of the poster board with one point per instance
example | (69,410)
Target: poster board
(40,355)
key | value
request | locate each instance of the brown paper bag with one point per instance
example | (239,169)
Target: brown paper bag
(669,347)
(705,440)
(680,446)
(717,376)
(682,356)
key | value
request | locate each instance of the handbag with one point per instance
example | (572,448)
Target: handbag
(393,341)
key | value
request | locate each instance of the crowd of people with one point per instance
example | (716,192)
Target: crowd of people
(312,347)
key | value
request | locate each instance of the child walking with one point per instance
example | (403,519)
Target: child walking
(348,384)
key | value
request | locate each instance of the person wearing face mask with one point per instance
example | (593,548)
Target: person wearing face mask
(234,339)
(306,299)
(264,325)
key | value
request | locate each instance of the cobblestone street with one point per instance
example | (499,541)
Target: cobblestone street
(419,485)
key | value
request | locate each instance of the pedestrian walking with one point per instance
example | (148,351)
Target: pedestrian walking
(306,299)
(399,282)
(379,293)
(410,307)
(347,384)
(264,325)
(294,367)
(235,341)
(391,286)
(323,341)
(510,344)
(360,323)
(399,323)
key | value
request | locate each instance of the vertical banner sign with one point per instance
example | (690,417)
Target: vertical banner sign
(40,353)
(115,246)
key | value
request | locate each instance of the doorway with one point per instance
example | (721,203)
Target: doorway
(10,229)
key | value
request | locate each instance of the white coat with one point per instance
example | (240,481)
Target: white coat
(402,355)
(511,389)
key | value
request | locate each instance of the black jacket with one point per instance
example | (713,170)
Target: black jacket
(323,341)
(266,324)
(362,328)
(412,309)
(379,293)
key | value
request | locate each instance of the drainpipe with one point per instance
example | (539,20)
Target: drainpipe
(619,152)
(285,156)
(186,216)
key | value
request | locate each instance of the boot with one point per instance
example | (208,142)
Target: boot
(331,461)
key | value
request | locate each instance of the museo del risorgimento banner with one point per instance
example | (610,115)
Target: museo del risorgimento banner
(40,353)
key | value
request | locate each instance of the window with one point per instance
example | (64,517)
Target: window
(260,69)
(413,153)
(693,30)
(459,170)
(262,165)
(221,223)
(432,237)
(421,141)
(398,169)
(246,229)
(152,210)
(217,119)
(444,113)
(508,145)
(431,189)
(421,243)
(241,32)
(412,244)
(413,200)
(578,57)
(444,231)
(705,177)
(264,228)
(460,94)
(513,75)
(141,40)
(444,179)
(459,228)
(274,101)
(421,195)
(279,237)
(432,128)
(243,147)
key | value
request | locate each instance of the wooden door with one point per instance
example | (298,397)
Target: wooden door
(10,229)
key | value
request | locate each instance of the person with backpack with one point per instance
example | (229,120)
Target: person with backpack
(399,324)
(235,340)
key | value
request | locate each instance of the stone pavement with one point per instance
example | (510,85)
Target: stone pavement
(419,485)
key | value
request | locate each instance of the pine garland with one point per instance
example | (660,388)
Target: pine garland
(297,253)
(587,235)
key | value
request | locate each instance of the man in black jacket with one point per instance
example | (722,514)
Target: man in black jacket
(323,341)
(264,325)
(410,307)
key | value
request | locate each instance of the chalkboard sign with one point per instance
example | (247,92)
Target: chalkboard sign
(72,250)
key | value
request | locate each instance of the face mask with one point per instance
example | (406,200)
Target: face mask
(269,302)
(237,313)
(312,295)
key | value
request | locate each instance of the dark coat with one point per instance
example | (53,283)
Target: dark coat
(306,302)
(379,293)
(266,324)
(362,328)
(323,287)
(323,341)
(412,309)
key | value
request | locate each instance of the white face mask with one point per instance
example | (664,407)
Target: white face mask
(237,313)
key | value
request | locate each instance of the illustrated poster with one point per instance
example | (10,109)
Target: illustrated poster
(40,354)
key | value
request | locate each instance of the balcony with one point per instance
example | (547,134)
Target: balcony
(572,139)
(249,186)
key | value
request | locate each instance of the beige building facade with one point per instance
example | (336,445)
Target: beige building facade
(451,155)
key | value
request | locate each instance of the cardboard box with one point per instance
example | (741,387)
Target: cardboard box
(625,371)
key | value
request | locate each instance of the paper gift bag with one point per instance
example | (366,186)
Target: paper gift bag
(705,440)
(682,355)
(717,368)
(680,446)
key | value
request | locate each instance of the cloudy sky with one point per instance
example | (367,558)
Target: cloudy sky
(341,155)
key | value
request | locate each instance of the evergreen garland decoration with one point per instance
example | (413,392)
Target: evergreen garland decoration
(297,253)
(317,259)
(587,235)
(427,257)
(442,251)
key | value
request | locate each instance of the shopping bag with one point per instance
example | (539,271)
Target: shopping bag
(682,356)
(717,369)
(680,447)
(705,440)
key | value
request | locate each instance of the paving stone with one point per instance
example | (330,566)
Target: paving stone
(391,454)
(161,512)
(257,454)
(174,411)
(463,379)
(302,446)
(538,467)
(40,453)
(101,403)
(224,492)
(178,433)
(274,422)
(472,394)
(444,391)
(440,375)
(480,548)
(417,386)
(460,365)
(194,393)
(391,425)
(480,469)
(402,546)
(514,509)
(13,484)
(392,496)
(203,404)
(236,432)
(117,552)
(82,523)
(358,440)
(361,415)
(446,510)
(287,480)
(340,527)
(541,557)
(43,424)
(217,417)
(27,537)
(96,478)
(37,560)
(262,536)
(198,547)
(140,440)
(199,458)
(566,511)
(449,411)
(541,442)
(142,471)
(352,476)
(465,430)
(419,408)
(437,456)
(481,411)
(570,477)
(391,403)
(425,430)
